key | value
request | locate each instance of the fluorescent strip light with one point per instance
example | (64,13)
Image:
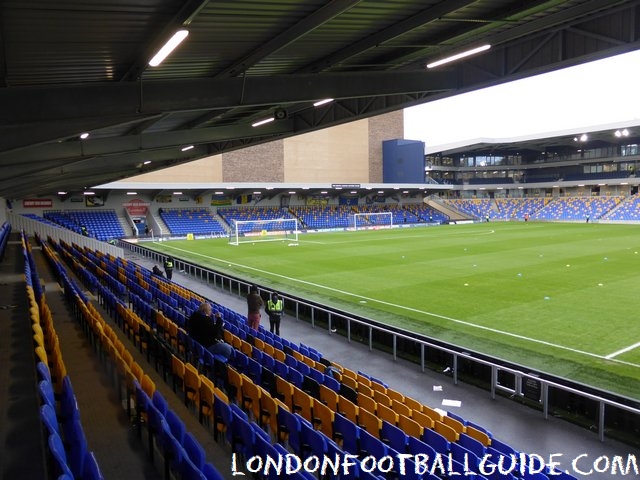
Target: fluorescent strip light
(323,102)
(189,147)
(262,122)
(89,193)
(458,56)
(146,162)
(177,193)
(131,193)
(168,47)
(84,135)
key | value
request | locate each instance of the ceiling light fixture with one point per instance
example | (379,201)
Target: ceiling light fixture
(84,135)
(262,122)
(131,193)
(146,162)
(188,147)
(323,102)
(168,47)
(458,56)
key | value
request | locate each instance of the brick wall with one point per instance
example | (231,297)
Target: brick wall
(259,163)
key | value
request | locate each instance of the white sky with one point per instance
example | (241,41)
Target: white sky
(590,97)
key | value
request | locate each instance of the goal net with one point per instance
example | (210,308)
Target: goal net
(252,231)
(363,221)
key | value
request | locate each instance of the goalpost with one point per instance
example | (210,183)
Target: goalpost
(252,231)
(365,221)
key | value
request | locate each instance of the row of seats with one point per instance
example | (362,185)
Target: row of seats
(250,214)
(182,453)
(5,231)
(558,209)
(629,210)
(371,407)
(69,454)
(342,216)
(103,225)
(199,221)
(577,208)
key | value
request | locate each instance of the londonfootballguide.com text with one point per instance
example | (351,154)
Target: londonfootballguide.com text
(439,465)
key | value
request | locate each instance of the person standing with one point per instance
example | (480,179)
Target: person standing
(275,307)
(168,267)
(254,303)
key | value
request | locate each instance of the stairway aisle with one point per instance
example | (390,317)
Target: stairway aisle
(22,453)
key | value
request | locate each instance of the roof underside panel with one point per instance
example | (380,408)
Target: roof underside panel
(74,66)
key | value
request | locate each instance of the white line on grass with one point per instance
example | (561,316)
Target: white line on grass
(380,236)
(623,350)
(415,310)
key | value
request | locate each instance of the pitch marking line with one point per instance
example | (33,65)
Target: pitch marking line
(395,237)
(415,310)
(623,350)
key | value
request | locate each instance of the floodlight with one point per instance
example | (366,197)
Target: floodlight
(168,47)
(458,56)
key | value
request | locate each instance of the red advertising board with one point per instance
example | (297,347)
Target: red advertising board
(136,207)
(37,203)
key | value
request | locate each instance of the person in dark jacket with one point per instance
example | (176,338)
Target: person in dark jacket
(157,271)
(202,328)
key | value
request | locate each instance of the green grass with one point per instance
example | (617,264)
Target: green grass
(560,298)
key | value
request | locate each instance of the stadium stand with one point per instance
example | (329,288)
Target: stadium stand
(628,210)
(576,208)
(103,225)
(479,208)
(320,217)
(232,214)
(198,221)
(518,208)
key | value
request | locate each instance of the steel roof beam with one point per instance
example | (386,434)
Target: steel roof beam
(23,105)
(300,29)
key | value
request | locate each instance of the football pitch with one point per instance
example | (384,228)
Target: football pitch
(557,297)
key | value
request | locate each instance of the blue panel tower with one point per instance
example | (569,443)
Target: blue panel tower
(403,161)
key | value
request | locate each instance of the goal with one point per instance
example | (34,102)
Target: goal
(363,221)
(252,231)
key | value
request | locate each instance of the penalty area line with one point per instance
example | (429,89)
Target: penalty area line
(622,350)
(423,312)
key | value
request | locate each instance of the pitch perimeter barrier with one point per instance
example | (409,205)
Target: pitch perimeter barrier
(598,410)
